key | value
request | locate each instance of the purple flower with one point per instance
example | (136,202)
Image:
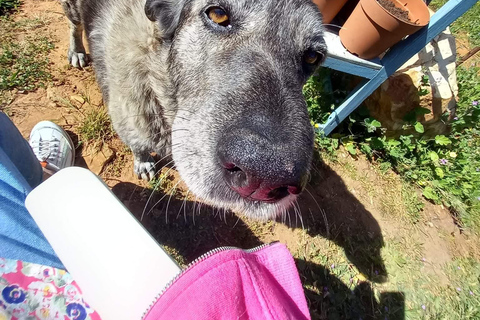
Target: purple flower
(351,280)
(424,260)
(376,272)
(76,311)
(443,162)
(456,118)
(386,308)
(423,307)
(478,198)
(332,266)
(325,289)
(13,294)
(474,103)
(459,268)
(459,289)
(471,293)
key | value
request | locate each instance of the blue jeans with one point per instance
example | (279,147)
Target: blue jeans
(20,172)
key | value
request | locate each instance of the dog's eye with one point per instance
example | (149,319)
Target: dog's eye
(219,16)
(312,57)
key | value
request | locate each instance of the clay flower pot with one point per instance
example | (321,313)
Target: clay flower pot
(329,8)
(371,29)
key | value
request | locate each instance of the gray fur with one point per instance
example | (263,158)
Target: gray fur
(175,84)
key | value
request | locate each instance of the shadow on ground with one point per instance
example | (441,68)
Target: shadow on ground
(188,230)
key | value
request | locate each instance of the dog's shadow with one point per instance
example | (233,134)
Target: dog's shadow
(189,229)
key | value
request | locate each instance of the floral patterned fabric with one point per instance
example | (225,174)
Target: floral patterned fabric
(30,291)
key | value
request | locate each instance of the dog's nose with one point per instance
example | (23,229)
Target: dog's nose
(262,170)
(248,183)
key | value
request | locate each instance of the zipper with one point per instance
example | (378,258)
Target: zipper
(198,260)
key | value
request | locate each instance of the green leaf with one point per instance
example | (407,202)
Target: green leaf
(351,148)
(434,156)
(420,111)
(442,140)
(419,127)
(439,172)
(393,143)
(376,123)
(430,194)
(335,143)
(425,79)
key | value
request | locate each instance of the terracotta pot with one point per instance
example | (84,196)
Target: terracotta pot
(329,8)
(371,29)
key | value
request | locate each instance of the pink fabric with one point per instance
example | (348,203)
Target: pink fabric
(234,284)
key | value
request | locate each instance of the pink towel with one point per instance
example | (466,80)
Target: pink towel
(236,284)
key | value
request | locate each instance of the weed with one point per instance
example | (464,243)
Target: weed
(95,127)
(468,22)
(7,6)
(23,56)
(445,167)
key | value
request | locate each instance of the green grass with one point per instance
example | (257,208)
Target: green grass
(7,6)
(445,167)
(23,56)
(95,127)
(468,23)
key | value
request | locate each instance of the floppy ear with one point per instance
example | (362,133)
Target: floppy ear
(166,13)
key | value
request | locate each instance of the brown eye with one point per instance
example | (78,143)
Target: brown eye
(311,57)
(219,16)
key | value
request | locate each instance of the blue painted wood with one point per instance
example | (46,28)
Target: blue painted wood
(357,96)
(395,58)
(351,68)
(445,16)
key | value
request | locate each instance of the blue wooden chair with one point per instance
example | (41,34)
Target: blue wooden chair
(376,71)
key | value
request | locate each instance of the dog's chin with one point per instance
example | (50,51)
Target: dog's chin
(263,210)
(257,210)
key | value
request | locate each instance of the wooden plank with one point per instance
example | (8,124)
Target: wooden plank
(446,15)
(393,59)
(358,95)
(350,68)
(338,58)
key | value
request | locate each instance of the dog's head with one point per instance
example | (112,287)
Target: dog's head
(241,137)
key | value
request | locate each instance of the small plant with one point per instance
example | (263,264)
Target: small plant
(7,6)
(23,64)
(96,127)
(445,167)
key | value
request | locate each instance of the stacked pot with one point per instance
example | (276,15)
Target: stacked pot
(371,29)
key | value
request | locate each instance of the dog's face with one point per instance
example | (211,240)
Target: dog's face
(241,138)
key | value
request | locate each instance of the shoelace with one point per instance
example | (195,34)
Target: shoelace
(47,150)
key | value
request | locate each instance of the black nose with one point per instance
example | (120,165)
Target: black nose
(263,169)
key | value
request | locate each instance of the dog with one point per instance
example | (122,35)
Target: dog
(215,84)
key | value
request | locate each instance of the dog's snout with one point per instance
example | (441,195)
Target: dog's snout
(260,169)
(250,184)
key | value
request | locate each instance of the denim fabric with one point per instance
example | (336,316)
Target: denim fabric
(20,171)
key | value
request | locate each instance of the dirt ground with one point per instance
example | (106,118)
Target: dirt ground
(349,202)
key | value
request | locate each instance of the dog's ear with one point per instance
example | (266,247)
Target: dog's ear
(166,13)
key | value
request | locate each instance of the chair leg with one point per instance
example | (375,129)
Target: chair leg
(358,95)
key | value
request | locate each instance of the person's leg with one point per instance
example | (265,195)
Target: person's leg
(20,171)
(19,152)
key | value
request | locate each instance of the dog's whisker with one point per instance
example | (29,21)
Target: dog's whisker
(299,213)
(153,191)
(163,197)
(183,203)
(332,25)
(238,219)
(174,189)
(322,212)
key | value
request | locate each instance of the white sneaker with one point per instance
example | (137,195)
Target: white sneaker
(52,146)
